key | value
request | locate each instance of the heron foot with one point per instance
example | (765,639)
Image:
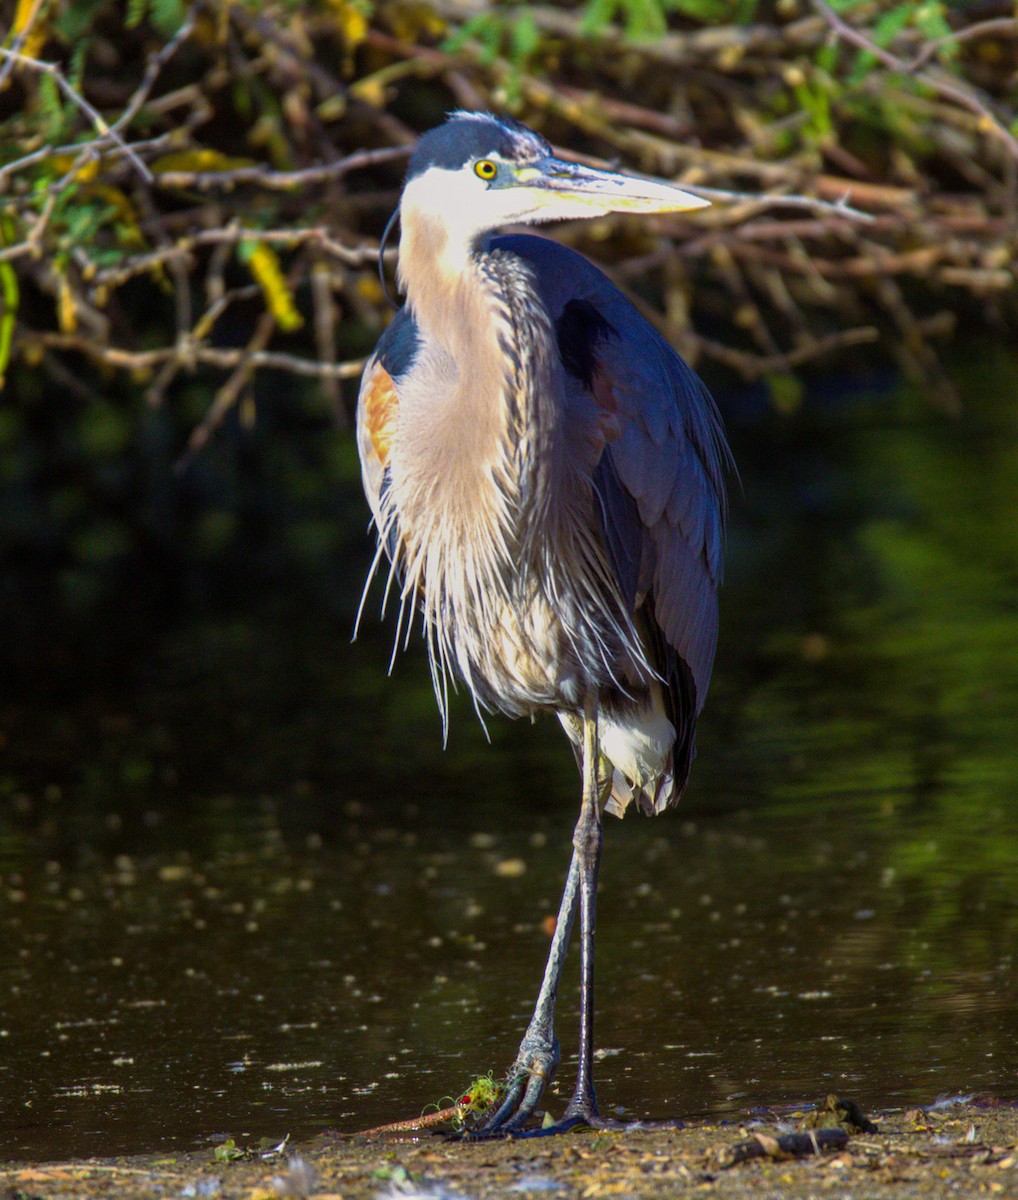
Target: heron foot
(572,1121)
(534,1068)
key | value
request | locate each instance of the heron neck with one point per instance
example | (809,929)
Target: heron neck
(437,271)
(454,421)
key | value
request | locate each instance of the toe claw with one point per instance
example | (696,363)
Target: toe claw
(526,1081)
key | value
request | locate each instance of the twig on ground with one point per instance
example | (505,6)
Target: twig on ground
(785,1145)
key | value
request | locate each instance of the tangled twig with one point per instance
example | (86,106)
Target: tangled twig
(152,184)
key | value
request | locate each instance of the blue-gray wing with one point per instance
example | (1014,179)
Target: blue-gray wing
(659,479)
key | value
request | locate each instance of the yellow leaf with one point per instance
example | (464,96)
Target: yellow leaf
(263,263)
(371,90)
(9,297)
(368,287)
(351,20)
(415,23)
(128,229)
(199,160)
(331,108)
(352,23)
(88,172)
(28,21)
(67,310)
(21,16)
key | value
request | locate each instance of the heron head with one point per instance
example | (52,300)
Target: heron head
(478,172)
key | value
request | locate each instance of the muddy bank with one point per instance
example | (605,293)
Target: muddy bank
(958,1148)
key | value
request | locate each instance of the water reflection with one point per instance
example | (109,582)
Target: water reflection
(254,897)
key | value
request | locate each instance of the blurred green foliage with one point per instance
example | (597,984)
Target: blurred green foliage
(869,624)
(644,19)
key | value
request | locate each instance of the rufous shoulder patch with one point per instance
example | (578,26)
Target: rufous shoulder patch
(381,411)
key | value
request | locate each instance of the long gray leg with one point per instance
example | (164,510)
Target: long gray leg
(538,1056)
(582,1107)
(587,849)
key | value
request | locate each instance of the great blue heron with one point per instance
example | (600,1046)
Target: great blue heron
(546,478)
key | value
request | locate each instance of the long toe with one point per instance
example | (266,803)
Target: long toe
(533,1070)
(573,1120)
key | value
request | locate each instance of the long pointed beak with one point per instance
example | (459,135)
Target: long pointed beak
(605,191)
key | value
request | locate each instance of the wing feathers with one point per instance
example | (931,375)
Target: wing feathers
(660,477)
(667,462)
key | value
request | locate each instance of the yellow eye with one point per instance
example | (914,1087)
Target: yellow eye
(485,169)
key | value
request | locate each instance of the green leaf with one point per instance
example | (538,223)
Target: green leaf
(229,1151)
(137,11)
(827,58)
(891,24)
(526,37)
(491,40)
(597,16)
(73,21)
(707,11)
(644,19)
(485,28)
(52,106)
(931,20)
(79,58)
(786,392)
(167,16)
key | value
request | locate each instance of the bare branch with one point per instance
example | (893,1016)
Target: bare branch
(106,133)
(207,356)
(287,181)
(153,69)
(809,231)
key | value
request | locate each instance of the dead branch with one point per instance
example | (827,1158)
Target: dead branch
(163,191)
(784,1145)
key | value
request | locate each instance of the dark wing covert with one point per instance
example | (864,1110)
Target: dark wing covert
(660,476)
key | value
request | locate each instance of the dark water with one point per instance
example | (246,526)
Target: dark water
(251,896)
